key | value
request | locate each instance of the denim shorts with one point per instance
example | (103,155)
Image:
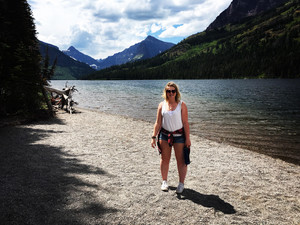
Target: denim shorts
(177,139)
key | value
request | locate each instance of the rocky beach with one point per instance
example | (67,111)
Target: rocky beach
(97,168)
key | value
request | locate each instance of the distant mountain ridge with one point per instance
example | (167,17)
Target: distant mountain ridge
(79,56)
(239,9)
(66,67)
(145,49)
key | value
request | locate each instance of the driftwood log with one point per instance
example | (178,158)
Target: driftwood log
(61,98)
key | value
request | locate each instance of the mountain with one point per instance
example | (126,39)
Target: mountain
(79,56)
(66,67)
(239,9)
(145,49)
(266,45)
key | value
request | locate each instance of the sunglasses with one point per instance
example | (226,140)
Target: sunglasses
(169,91)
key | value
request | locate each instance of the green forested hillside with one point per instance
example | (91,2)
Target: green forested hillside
(66,67)
(264,46)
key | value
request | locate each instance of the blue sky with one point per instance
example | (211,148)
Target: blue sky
(101,28)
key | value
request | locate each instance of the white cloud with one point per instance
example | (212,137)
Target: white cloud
(155,27)
(101,28)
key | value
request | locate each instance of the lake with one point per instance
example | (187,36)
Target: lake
(259,115)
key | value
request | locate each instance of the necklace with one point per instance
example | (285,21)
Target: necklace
(172,106)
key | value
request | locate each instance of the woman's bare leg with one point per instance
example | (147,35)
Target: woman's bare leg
(165,159)
(181,166)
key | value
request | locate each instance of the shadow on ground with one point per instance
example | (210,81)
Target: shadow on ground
(209,201)
(38,183)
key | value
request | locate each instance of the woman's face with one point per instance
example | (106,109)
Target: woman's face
(171,92)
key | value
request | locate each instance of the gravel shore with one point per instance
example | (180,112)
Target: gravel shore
(96,168)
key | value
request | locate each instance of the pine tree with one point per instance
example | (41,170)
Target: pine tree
(20,79)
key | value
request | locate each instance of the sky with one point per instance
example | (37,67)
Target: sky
(101,28)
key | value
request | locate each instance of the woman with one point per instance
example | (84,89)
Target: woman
(173,129)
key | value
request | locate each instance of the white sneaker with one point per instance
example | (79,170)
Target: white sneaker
(164,186)
(180,188)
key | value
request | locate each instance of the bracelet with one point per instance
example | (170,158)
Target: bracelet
(153,137)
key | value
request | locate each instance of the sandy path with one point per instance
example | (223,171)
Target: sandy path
(95,168)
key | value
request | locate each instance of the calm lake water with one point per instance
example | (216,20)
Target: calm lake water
(259,115)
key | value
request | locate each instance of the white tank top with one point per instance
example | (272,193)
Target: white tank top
(171,120)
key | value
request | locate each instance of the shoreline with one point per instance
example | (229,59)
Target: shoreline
(97,168)
(253,121)
(267,149)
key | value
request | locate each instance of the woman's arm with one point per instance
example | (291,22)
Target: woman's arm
(157,125)
(186,126)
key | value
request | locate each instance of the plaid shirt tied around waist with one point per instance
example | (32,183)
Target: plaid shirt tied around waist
(170,136)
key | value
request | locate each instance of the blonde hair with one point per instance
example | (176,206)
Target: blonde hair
(178,95)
